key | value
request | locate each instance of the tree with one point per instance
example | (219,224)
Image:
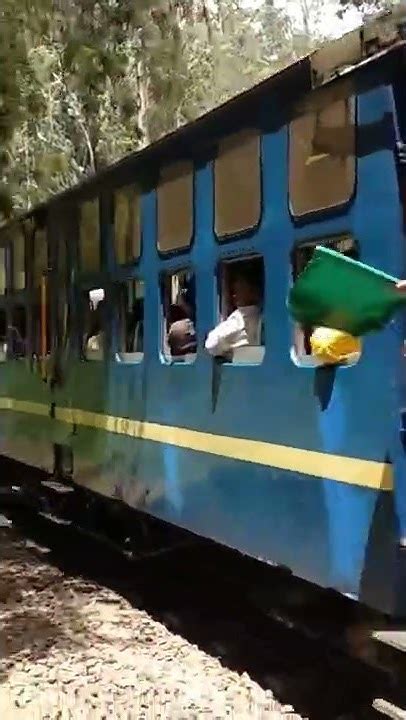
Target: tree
(87,82)
(365,7)
(20,21)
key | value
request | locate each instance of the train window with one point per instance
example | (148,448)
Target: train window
(94,325)
(17,333)
(239,336)
(237,183)
(178,299)
(19,261)
(130,331)
(175,207)
(2,271)
(40,256)
(301,351)
(89,236)
(322,158)
(127,225)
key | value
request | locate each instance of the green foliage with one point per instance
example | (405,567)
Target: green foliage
(366,7)
(83,83)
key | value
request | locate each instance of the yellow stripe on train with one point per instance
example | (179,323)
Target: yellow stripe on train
(353,471)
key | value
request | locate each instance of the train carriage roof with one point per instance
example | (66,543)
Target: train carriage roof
(382,39)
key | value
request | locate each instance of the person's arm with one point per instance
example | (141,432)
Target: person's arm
(401,286)
(219,341)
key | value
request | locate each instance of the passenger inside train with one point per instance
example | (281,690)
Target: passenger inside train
(320,346)
(242,326)
(182,333)
(179,304)
(94,335)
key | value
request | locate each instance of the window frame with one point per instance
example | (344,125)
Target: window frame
(136,191)
(165,254)
(23,236)
(81,203)
(86,290)
(331,210)
(166,273)
(325,241)
(116,285)
(222,239)
(219,289)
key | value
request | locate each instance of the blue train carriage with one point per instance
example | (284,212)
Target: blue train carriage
(268,452)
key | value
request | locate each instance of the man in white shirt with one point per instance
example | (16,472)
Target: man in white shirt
(243,326)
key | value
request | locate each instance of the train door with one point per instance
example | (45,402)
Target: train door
(127,361)
(80,341)
(30,320)
(241,240)
(55,319)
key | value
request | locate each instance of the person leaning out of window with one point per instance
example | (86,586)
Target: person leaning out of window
(243,326)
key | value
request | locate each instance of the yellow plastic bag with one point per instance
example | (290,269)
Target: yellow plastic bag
(333,347)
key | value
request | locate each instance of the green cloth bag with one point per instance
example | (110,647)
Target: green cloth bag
(338,292)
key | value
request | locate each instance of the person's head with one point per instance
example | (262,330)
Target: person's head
(175,313)
(245,289)
(182,337)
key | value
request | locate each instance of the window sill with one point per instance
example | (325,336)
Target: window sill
(308,362)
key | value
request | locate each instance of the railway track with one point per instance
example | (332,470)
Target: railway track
(255,619)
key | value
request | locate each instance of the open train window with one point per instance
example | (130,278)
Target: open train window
(17,333)
(40,256)
(2,271)
(241,293)
(89,236)
(130,330)
(322,158)
(19,260)
(94,324)
(175,207)
(127,225)
(237,183)
(301,351)
(178,299)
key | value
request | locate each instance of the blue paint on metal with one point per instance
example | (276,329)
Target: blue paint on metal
(171,474)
